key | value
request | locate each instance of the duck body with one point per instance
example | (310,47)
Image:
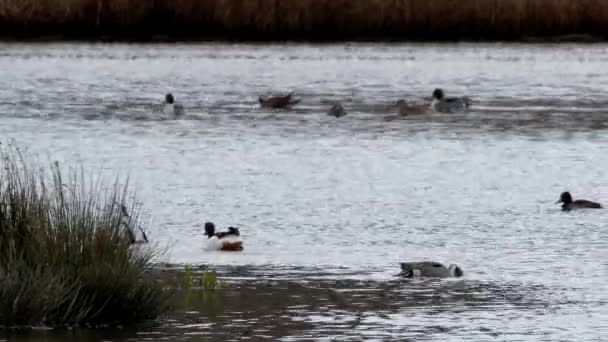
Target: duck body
(223,241)
(135,235)
(429,269)
(569,204)
(337,110)
(277,102)
(405,109)
(442,104)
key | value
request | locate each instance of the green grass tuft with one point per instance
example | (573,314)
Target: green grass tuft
(65,256)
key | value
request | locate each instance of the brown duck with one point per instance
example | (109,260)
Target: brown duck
(405,109)
(285,101)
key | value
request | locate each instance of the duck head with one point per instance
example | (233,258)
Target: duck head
(565,198)
(209,229)
(455,270)
(169,98)
(438,94)
(406,270)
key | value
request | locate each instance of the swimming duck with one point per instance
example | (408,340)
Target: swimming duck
(336,110)
(128,225)
(442,104)
(223,241)
(429,269)
(569,204)
(406,109)
(275,102)
(172,108)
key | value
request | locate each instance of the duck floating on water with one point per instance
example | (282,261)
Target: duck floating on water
(223,241)
(429,269)
(336,110)
(276,102)
(442,104)
(405,109)
(569,204)
(170,107)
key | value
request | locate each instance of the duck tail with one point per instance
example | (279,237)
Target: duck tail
(467,102)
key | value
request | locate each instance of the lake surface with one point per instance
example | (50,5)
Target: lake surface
(328,207)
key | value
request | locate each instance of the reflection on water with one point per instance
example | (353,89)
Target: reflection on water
(328,207)
(293,306)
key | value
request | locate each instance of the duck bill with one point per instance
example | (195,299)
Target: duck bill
(558,202)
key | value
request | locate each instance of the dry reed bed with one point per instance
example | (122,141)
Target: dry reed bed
(304,19)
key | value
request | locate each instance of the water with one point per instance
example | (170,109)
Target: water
(329,207)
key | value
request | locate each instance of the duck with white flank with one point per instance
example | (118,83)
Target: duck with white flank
(223,241)
(170,107)
(429,269)
(337,110)
(276,102)
(569,204)
(127,224)
(442,104)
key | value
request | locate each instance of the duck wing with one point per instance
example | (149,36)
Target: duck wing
(231,232)
(453,100)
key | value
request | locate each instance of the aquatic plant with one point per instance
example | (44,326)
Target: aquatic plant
(206,281)
(305,19)
(65,256)
(210,281)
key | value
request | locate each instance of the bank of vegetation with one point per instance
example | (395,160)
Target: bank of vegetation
(65,254)
(311,20)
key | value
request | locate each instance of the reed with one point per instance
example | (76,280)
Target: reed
(304,19)
(65,258)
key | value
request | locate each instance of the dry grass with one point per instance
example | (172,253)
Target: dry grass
(305,19)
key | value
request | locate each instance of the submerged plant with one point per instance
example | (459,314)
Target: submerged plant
(65,254)
(207,281)
(210,281)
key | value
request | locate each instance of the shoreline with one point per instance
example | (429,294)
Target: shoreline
(165,39)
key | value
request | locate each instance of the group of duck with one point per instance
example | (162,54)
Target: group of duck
(439,104)
(230,240)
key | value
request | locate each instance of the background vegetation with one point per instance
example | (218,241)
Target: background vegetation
(303,19)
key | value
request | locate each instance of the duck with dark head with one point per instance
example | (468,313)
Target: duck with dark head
(170,107)
(443,104)
(569,204)
(429,269)
(223,241)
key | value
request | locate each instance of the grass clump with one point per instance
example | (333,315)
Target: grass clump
(65,255)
